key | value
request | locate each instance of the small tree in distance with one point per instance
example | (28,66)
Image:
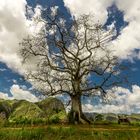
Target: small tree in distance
(71,57)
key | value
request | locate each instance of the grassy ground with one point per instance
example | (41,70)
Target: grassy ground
(80,132)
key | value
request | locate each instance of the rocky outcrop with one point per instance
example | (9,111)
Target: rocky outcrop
(54,109)
(51,105)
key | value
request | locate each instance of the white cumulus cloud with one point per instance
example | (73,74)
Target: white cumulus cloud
(4,96)
(12,29)
(96,7)
(21,94)
(124,101)
(14,26)
(129,39)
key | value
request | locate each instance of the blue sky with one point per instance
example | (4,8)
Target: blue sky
(123,15)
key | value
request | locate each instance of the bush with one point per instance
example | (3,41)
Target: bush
(99,117)
(54,119)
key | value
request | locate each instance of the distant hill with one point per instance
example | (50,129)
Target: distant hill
(53,108)
(50,110)
(111,117)
(26,110)
(23,111)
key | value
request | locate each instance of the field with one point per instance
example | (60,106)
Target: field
(30,121)
(68,132)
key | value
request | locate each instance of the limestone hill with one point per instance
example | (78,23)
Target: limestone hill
(50,109)
(25,110)
(53,109)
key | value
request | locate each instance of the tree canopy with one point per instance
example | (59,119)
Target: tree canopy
(72,57)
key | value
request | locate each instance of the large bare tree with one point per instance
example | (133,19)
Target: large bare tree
(71,57)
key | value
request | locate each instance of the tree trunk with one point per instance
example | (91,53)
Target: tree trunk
(76,115)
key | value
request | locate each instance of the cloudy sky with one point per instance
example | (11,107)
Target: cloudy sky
(123,14)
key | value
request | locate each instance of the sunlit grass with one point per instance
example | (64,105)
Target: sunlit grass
(21,134)
(80,132)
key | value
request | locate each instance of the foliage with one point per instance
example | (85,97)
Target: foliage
(51,106)
(53,109)
(25,112)
(21,134)
(115,132)
(50,110)
(99,117)
(6,107)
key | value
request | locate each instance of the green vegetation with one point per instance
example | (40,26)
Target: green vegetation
(49,111)
(26,111)
(53,109)
(84,132)
(20,113)
(21,134)
(22,120)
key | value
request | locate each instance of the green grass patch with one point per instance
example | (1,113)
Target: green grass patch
(21,134)
(80,132)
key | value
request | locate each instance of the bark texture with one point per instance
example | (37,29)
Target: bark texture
(76,115)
